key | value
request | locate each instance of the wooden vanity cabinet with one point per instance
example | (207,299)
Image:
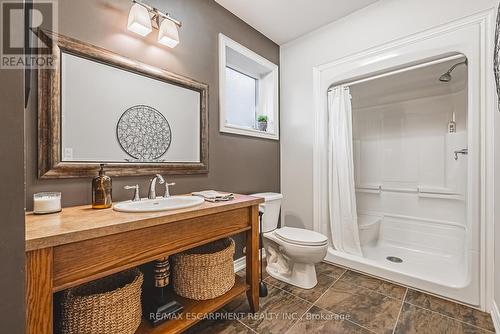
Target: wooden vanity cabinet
(79,245)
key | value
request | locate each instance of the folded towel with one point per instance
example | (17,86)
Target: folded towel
(213,196)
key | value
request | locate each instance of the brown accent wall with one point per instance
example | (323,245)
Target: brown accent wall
(12,202)
(237,163)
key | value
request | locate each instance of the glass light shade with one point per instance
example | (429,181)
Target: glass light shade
(168,34)
(139,20)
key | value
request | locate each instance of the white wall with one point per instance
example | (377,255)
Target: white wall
(497,216)
(379,23)
(497,212)
(405,145)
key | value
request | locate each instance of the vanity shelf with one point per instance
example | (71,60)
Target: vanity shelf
(193,307)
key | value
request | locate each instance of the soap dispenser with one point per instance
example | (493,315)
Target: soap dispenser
(101,190)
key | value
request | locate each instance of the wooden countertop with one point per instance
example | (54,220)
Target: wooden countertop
(79,223)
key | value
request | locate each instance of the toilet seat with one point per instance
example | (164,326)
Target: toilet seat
(300,236)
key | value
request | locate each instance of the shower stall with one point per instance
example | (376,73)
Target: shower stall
(401,139)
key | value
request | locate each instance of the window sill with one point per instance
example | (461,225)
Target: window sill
(239,130)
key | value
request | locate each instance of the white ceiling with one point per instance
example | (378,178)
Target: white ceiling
(285,20)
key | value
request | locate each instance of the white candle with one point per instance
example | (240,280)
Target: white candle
(47,202)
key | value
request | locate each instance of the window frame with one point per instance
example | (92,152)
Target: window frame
(272,133)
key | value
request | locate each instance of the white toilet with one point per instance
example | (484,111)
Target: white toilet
(290,252)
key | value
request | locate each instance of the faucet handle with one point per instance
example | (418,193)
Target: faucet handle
(160,178)
(167,190)
(136,197)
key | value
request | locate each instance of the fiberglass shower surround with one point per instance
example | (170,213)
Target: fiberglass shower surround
(397,196)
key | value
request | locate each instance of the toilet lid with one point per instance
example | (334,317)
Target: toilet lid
(300,236)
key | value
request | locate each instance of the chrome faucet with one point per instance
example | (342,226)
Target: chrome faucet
(152,186)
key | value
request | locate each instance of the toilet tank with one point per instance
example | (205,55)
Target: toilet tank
(271,208)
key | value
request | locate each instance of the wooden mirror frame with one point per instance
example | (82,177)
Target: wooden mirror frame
(49,114)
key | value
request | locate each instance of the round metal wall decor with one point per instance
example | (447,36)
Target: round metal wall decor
(143,133)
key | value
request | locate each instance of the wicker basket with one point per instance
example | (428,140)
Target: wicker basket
(204,272)
(109,305)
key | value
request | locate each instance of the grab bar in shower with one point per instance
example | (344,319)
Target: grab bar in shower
(377,189)
(422,191)
(434,190)
(442,196)
(369,188)
(399,190)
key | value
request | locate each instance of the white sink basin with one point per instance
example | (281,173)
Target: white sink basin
(159,204)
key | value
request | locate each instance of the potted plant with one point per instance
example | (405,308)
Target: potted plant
(262,122)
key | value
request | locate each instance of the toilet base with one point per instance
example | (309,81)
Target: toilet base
(302,275)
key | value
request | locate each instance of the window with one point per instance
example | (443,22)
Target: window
(248,91)
(241,99)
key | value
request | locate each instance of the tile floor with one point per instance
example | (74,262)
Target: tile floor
(345,302)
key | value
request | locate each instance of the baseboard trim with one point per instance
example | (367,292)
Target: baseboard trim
(240,264)
(495,315)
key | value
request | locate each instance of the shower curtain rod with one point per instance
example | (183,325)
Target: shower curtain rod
(401,70)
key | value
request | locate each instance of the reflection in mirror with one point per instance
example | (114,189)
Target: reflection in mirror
(145,120)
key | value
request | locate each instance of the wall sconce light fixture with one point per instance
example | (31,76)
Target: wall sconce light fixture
(142,18)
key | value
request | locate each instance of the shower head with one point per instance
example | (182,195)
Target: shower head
(446,77)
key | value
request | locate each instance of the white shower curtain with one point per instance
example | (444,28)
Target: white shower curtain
(341,191)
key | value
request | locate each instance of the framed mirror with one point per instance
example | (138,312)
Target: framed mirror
(95,106)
